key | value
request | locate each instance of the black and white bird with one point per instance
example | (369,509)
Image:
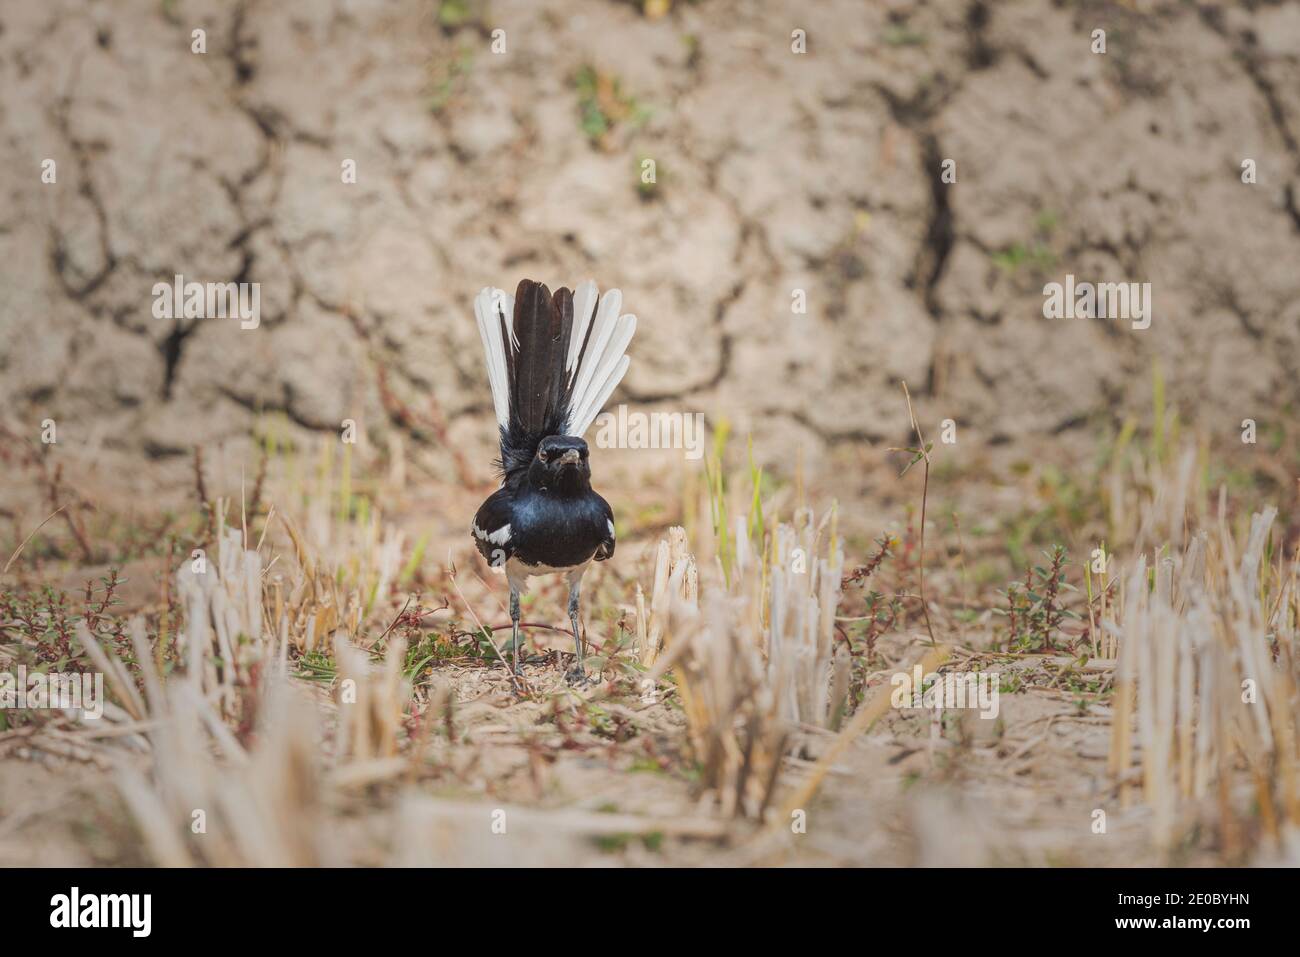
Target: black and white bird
(553,361)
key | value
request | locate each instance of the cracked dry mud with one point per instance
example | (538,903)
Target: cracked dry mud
(776,172)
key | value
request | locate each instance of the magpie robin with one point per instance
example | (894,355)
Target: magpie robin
(552,365)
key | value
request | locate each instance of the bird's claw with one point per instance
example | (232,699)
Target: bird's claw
(577,675)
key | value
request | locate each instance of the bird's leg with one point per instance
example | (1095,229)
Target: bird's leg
(579,672)
(514,635)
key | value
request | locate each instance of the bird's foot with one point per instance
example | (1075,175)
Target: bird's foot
(577,676)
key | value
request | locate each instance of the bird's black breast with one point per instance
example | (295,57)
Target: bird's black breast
(544,528)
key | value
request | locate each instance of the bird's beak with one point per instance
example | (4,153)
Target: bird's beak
(569,457)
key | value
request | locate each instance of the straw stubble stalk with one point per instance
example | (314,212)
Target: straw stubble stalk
(1205,678)
(200,798)
(264,806)
(867,715)
(752,651)
(371,701)
(676,577)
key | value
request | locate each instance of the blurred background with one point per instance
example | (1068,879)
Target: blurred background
(775,172)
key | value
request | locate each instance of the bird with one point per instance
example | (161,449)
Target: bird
(553,360)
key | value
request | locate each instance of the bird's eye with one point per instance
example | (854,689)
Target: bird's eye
(542,455)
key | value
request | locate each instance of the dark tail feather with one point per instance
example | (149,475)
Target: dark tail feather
(535,370)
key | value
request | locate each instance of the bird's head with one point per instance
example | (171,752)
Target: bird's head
(560,465)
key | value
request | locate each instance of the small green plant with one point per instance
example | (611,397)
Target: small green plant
(618,655)
(454,13)
(881,615)
(603,105)
(713,469)
(611,843)
(316,666)
(446,79)
(1011,682)
(421,654)
(1034,610)
(898,35)
(41,624)
(1037,255)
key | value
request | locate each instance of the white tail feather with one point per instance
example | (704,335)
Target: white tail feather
(581,421)
(603,365)
(613,364)
(584,308)
(489,305)
(601,332)
(605,361)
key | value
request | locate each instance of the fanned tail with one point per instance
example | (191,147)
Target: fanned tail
(553,364)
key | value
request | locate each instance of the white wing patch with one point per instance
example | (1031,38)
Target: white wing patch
(499,537)
(611,527)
